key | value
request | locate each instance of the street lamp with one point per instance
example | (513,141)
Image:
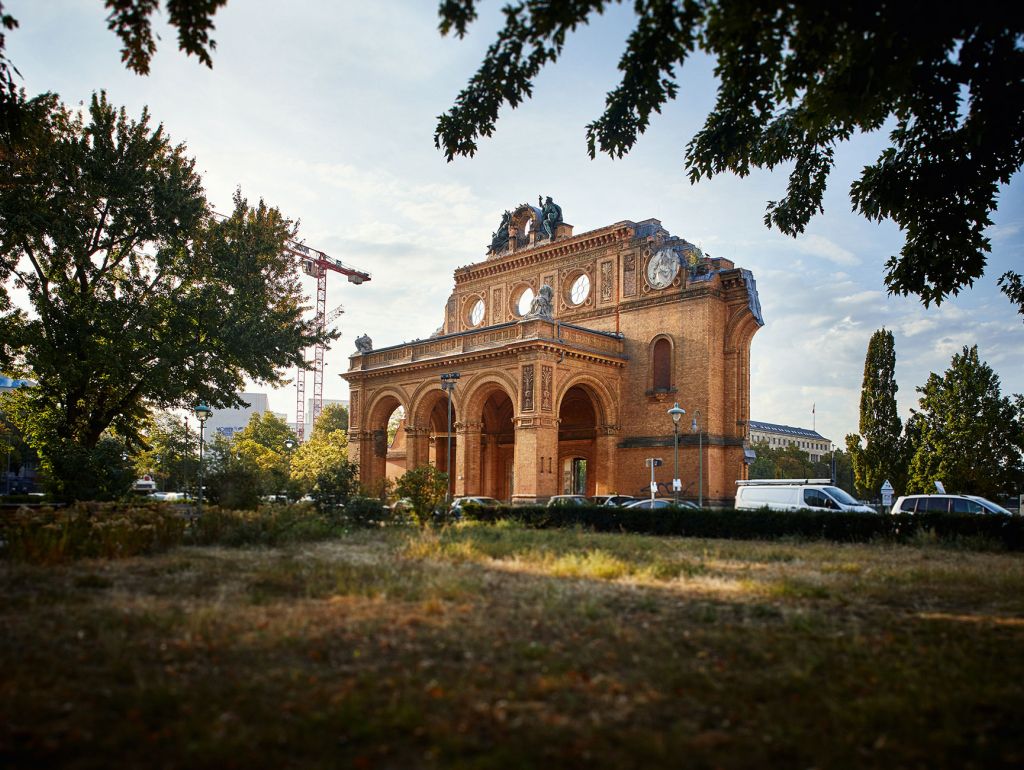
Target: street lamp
(677,415)
(700,452)
(448,386)
(202,411)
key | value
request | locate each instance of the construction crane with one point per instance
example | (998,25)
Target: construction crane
(317,264)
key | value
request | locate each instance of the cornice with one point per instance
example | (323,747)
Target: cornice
(620,231)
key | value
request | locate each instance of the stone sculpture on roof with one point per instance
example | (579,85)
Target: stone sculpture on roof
(542,306)
(551,216)
(499,239)
(364,344)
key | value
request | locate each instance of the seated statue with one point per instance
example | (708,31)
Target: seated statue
(364,344)
(550,216)
(542,307)
(500,239)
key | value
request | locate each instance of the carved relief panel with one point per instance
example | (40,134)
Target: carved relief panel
(607,280)
(527,388)
(546,376)
(629,275)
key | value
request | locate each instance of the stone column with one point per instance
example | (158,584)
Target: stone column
(467,458)
(417,447)
(360,451)
(536,450)
(605,449)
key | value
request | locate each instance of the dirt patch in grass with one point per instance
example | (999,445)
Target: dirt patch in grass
(493,647)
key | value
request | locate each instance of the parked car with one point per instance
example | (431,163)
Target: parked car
(558,500)
(655,504)
(794,495)
(613,500)
(459,502)
(947,504)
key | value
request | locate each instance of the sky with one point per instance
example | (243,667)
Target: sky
(327,110)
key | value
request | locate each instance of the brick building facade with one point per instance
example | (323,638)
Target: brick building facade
(571,394)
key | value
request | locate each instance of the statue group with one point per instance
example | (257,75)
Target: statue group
(550,216)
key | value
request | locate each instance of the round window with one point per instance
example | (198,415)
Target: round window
(580,289)
(476,315)
(525,301)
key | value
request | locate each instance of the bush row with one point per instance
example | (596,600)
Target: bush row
(118,530)
(767,525)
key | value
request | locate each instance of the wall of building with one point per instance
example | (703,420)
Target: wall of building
(708,312)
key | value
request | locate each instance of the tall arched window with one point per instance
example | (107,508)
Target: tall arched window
(661,364)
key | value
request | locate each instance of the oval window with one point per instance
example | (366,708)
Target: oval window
(476,315)
(525,301)
(580,289)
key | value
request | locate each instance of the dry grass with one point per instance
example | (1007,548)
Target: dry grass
(493,647)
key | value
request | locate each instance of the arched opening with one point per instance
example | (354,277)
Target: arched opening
(497,447)
(661,365)
(384,424)
(577,438)
(441,425)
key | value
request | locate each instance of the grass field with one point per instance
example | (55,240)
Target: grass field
(498,647)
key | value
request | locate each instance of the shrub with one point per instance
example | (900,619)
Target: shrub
(1004,531)
(271,525)
(89,530)
(366,512)
(426,488)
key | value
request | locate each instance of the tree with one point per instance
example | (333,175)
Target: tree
(228,481)
(263,447)
(426,488)
(141,298)
(333,417)
(796,78)
(170,452)
(969,436)
(877,451)
(321,466)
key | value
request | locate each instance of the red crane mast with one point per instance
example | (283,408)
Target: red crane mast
(317,264)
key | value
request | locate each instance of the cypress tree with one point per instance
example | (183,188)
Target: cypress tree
(876,452)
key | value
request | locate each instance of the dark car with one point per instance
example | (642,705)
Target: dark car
(486,502)
(558,500)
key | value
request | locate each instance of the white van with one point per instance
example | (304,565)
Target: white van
(795,495)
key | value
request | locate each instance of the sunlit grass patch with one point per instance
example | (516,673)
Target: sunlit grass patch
(500,647)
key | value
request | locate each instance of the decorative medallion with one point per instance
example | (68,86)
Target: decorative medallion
(662,269)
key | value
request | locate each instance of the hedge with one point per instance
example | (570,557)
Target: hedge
(765,524)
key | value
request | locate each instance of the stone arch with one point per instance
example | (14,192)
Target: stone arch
(373,455)
(585,433)
(427,432)
(489,437)
(380,405)
(526,219)
(480,389)
(605,404)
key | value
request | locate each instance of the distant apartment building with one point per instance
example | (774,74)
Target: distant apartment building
(779,436)
(228,422)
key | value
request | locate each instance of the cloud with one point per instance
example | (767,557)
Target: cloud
(820,246)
